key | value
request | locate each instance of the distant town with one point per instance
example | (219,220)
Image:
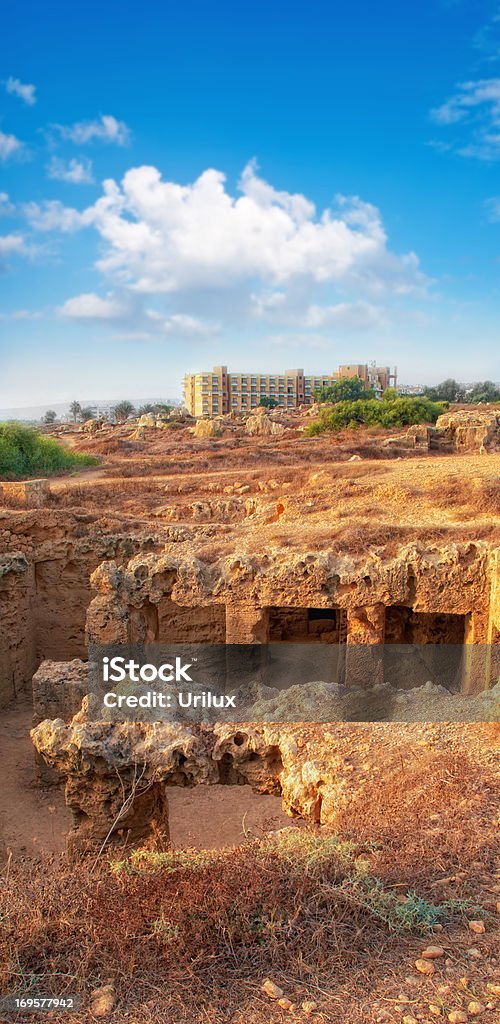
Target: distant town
(220,391)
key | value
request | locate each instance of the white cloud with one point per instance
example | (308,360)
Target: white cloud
(278,307)
(22,90)
(90,306)
(105,129)
(76,172)
(475,109)
(485,92)
(52,215)
(216,258)
(12,244)
(346,315)
(163,237)
(142,324)
(22,314)
(10,146)
(183,325)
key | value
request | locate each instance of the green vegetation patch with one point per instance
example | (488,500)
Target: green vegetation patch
(25,452)
(317,876)
(390,412)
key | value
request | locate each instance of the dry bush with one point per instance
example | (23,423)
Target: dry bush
(433,819)
(203,928)
(477,494)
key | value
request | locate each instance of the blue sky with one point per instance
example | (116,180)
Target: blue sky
(267,185)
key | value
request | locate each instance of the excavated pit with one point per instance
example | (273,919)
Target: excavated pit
(356,557)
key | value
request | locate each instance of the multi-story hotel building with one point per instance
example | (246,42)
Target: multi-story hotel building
(218,392)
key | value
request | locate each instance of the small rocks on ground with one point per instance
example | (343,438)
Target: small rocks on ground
(475,1007)
(425,966)
(477,927)
(102,1001)
(432,952)
(271,990)
(458,1017)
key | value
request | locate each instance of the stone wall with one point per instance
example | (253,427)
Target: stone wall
(30,493)
(17,637)
(45,585)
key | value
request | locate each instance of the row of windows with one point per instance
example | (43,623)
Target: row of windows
(265,382)
(243,403)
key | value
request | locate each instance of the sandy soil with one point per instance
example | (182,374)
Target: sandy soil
(32,820)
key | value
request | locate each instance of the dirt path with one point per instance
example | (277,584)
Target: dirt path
(32,820)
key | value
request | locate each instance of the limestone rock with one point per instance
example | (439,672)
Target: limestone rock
(260,423)
(270,989)
(102,1001)
(207,428)
(424,966)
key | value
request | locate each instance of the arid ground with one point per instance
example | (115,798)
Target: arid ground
(192,940)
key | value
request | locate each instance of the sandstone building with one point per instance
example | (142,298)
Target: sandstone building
(219,392)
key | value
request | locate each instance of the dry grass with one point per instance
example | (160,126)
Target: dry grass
(203,929)
(477,495)
(432,819)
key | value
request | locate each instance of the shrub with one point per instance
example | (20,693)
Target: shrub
(392,412)
(24,452)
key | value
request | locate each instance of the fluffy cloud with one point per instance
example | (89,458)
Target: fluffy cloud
(214,258)
(90,306)
(77,172)
(162,237)
(105,129)
(52,215)
(22,90)
(6,207)
(141,324)
(10,146)
(12,245)
(475,108)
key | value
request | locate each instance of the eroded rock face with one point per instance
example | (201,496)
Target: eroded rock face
(261,424)
(470,430)
(116,775)
(45,584)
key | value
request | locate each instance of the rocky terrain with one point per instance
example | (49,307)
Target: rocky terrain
(236,532)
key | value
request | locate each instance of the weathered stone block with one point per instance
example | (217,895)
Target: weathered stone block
(30,493)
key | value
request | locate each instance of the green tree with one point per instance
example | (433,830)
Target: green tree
(50,416)
(395,412)
(154,407)
(448,391)
(390,393)
(75,410)
(268,401)
(347,389)
(122,411)
(87,413)
(484,391)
